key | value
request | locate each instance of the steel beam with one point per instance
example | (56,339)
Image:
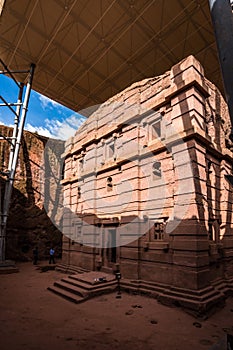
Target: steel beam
(222,19)
(20,117)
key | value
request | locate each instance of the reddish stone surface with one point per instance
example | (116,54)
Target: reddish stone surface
(164,144)
(28,223)
(42,320)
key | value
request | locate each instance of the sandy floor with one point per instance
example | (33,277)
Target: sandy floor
(33,318)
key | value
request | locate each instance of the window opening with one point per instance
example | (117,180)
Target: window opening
(156,130)
(109,183)
(159,230)
(156,170)
(111,150)
(81,164)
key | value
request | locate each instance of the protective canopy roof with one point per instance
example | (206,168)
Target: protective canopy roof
(88,50)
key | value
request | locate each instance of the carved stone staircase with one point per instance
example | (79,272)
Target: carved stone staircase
(80,287)
(198,302)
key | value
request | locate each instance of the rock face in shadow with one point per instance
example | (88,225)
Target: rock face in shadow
(29,224)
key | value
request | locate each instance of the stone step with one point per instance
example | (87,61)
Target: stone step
(162,287)
(66,294)
(89,277)
(157,289)
(83,286)
(80,288)
(127,283)
(195,307)
(87,286)
(149,293)
(196,293)
(202,298)
(72,289)
(224,286)
(70,269)
(218,283)
(8,266)
(103,290)
(151,289)
(8,270)
(139,286)
(78,292)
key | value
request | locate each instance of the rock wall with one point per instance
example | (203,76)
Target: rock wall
(28,222)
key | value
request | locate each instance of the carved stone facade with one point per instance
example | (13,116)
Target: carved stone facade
(145,187)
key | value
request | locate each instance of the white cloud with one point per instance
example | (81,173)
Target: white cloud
(48,103)
(65,128)
(40,130)
(56,125)
(55,128)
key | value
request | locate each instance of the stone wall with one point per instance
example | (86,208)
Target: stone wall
(145,186)
(28,223)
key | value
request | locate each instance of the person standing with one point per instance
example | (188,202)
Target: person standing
(51,256)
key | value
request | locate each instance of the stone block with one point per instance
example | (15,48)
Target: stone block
(190,259)
(129,269)
(129,253)
(160,273)
(187,63)
(190,244)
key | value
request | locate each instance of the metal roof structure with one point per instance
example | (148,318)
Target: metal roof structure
(85,51)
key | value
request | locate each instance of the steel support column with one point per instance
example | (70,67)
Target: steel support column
(222,19)
(15,141)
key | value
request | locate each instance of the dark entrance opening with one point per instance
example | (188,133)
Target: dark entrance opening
(111,249)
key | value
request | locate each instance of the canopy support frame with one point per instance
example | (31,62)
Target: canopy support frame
(24,91)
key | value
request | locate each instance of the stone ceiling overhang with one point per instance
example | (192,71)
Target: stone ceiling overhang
(86,51)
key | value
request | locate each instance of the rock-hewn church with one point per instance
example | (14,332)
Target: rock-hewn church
(147,179)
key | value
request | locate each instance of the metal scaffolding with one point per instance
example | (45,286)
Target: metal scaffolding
(19,111)
(222,19)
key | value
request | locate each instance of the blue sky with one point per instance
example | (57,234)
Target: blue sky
(44,116)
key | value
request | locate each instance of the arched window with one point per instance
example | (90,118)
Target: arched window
(79,192)
(156,170)
(109,183)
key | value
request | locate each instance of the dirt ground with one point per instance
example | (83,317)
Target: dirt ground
(32,318)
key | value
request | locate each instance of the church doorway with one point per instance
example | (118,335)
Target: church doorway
(110,252)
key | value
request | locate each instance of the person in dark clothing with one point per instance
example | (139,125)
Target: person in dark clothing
(35,253)
(51,256)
